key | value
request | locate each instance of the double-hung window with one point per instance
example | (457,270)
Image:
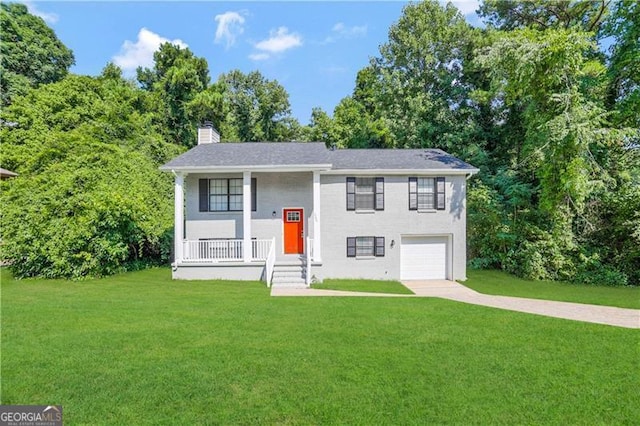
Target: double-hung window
(365,193)
(224,195)
(426,193)
(365,246)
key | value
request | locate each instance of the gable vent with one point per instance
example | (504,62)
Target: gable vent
(208,134)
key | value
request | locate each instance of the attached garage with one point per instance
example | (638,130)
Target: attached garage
(424,258)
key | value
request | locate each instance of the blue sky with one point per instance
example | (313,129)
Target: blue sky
(314,49)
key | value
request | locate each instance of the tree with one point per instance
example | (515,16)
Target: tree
(421,83)
(624,68)
(89,199)
(258,108)
(587,15)
(30,52)
(180,82)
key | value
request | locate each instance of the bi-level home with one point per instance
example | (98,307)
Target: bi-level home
(291,213)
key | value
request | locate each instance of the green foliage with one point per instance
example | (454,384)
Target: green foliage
(179,82)
(543,14)
(624,72)
(98,211)
(212,352)
(30,52)
(257,109)
(89,199)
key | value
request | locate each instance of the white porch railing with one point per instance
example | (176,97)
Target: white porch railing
(224,250)
(307,275)
(271,262)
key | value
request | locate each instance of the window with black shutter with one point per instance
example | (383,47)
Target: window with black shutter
(427,193)
(365,193)
(440,194)
(365,246)
(223,195)
(379,251)
(351,246)
(351,193)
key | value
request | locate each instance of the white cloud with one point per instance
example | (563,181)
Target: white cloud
(344,31)
(229,28)
(467,7)
(140,53)
(340,30)
(259,56)
(279,40)
(48,17)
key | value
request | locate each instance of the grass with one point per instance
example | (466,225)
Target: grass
(371,286)
(139,348)
(501,283)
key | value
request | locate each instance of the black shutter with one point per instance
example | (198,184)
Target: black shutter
(254,194)
(379,194)
(204,194)
(413,193)
(351,246)
(440,195)
(379,250)
(351,193)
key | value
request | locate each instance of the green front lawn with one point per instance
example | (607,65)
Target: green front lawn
(139,348)
(501,283)
(371,286)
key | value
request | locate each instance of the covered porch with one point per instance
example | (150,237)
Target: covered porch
(206,239)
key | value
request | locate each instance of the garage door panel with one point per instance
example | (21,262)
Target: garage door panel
(423,258)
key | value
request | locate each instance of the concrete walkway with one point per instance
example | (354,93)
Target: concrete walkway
(620,317)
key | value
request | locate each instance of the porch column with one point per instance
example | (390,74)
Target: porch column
(246,216)
(178,236)
(317,242)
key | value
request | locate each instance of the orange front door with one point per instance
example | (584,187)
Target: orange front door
(293,231)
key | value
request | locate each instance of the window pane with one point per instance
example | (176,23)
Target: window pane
(235,186)
(426,193)
(364,201)
(364,184)
(218,186)
(235,202)
(365,193)
(364,246)
(218,203)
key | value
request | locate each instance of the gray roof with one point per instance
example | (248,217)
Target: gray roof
(310,154)
(251,154)
(392,159)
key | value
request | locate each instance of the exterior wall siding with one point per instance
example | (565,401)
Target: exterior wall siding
(392,223)
(275,191)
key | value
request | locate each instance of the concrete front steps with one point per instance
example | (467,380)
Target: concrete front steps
(289,274)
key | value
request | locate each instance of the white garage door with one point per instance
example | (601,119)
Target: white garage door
(423,258)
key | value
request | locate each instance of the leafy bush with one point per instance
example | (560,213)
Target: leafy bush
(101,211)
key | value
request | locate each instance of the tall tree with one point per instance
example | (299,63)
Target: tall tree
(89,199)
(258,108)
(624,69)
(587,15)
(30,52)
(180,82)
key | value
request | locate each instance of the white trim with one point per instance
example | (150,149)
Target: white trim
(246,216)
(325,169)
(304,230)
(178,216)
(317,242)
(412,172)
(235,169)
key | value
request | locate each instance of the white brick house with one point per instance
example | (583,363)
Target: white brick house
(290,212)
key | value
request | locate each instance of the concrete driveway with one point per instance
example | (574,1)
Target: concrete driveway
(619,317)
